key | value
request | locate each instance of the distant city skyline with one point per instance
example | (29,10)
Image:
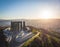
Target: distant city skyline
(32,9)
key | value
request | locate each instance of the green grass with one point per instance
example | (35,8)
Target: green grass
(38,38)
(30,40)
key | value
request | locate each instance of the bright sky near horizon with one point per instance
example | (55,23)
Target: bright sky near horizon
(32,9)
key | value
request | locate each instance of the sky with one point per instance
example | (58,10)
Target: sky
(29,9)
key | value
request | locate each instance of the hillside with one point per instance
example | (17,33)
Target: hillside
(46,38)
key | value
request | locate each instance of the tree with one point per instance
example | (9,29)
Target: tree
(3,42)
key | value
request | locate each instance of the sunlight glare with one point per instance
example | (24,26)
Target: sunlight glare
(46,13)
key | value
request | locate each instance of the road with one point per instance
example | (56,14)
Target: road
(14,43)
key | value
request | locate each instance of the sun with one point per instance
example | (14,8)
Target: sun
(46,14)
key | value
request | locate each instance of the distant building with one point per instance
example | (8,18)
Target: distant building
(17,27)
(23,25)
